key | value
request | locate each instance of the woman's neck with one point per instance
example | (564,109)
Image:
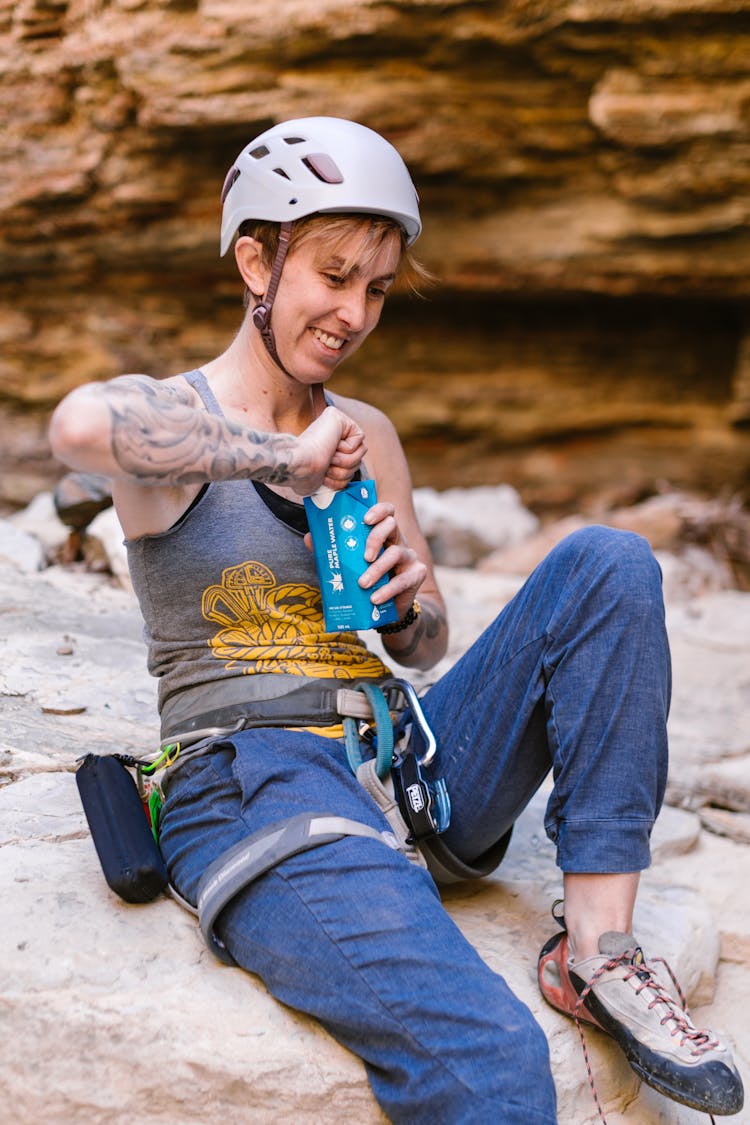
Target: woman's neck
(252,390)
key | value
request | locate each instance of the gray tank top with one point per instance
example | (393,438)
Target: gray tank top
(230,593)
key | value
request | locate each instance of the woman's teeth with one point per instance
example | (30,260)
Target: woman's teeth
(330,341)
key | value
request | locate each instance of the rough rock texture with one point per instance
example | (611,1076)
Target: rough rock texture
(571,145)
(583,169)
(709,540)
(118,1013)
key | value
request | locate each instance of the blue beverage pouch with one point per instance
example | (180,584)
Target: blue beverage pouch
(339,534)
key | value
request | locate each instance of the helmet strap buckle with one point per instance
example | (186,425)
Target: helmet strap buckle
(262,311)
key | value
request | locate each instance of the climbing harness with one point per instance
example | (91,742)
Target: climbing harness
(417,809)
(270,699)
(236,868)
(389,746)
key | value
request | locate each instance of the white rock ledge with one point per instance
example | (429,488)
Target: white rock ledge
(117,1013)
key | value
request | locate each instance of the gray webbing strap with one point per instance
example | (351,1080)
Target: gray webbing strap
(384,796)
(276,699)
(240,865)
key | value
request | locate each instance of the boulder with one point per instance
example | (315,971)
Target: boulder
(160,1030)
(701,544)
(40,520)
(79,497)
(20,547)
(463,525)
(104,546)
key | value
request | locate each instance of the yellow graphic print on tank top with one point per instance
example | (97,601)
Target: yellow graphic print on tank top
(264,627)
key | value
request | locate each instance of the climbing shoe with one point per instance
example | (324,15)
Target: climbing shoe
(619,992)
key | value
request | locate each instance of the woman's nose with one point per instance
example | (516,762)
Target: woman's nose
(353,308)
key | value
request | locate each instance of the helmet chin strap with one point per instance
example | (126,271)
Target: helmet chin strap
(262,311)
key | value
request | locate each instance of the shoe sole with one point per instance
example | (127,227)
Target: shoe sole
(680,1088)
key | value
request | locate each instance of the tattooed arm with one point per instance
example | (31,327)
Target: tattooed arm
(159,445)
(154,433)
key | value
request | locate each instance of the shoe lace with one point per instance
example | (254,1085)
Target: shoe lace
(701,1040)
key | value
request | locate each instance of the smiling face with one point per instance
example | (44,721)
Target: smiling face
(331,292)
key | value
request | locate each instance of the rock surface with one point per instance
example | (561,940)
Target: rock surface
(584,175)
(119,1013)
(603,144)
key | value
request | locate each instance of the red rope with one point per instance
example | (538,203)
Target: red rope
(703,1040)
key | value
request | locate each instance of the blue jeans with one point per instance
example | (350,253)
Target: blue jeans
(573,676)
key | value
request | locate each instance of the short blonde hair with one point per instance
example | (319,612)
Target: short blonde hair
(331,231)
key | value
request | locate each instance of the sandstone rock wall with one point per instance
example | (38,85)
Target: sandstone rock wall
(562,148)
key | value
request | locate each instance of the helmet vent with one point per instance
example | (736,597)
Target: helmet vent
(281,172)
(259,152)
(322,166)
(232,175)
(294,140)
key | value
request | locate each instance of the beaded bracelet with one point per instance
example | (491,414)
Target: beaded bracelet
(411,616)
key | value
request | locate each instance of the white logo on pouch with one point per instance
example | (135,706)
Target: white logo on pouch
(416,800)
(348,523)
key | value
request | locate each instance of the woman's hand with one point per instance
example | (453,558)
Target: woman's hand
(405,562)
(399,560)
(327,454)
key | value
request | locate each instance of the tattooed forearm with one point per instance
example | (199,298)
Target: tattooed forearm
(429,625)
(412,644)
(434,621)
(160,437)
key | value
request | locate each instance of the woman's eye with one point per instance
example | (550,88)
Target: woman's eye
(379,294)
(334,278)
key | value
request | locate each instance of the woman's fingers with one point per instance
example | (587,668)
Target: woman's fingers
(329,452)
(405,573)
(382,519)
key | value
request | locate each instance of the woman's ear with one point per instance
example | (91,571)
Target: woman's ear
(248,254)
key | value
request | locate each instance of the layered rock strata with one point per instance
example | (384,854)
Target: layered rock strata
(563,149)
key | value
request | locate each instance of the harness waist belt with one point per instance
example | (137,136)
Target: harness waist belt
(268,700)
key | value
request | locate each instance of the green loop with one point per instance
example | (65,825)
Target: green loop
(154,808)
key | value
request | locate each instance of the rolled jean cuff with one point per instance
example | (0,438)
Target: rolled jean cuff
(603,847)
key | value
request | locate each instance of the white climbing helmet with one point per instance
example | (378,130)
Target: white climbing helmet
(318,164)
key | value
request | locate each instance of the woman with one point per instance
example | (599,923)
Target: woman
(208,468)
